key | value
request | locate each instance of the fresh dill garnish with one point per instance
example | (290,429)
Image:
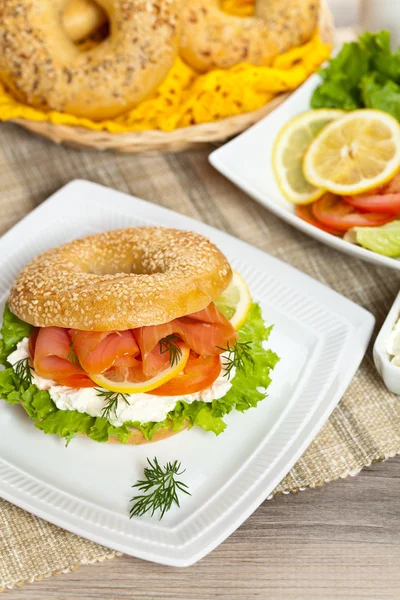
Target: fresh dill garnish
(163,488)
(72,357)
(238,356)
(170,344)
(112,402)
(23,371)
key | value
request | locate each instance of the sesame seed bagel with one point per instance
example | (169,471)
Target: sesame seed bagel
(212,39)
(121,279)
(42,66)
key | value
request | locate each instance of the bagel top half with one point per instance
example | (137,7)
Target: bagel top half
(121,279)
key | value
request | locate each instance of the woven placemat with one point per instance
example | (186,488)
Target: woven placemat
(365,426)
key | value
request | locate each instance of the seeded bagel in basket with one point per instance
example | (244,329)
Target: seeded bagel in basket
(43,67)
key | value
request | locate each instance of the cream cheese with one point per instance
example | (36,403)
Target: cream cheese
(393,345)
(141,407)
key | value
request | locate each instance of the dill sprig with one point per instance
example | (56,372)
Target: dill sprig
(170,344)
(72,356)
(163,488)
(22,370)
(112,402)
(238,356)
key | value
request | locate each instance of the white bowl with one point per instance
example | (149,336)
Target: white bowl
(389,372)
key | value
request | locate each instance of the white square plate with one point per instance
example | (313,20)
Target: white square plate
(85,488)
(246,160)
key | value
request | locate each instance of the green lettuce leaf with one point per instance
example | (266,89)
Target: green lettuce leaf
(384,240)
(13,330)
(48,418)
(341,79)
(382,94)
(244,394)
(364,73)
(332,94)
(381,58)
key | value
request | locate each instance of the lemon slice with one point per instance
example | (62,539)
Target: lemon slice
(289,150)
(355,153)
(138,387)
(235,302)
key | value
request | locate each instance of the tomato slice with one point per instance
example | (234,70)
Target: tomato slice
(304,211)
(200,372)
(334,212)
(385,199)
(384,203)
(393,187)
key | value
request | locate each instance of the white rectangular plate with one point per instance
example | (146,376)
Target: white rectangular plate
(246,160)
(85,488)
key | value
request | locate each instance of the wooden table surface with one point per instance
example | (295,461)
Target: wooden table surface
(338,541)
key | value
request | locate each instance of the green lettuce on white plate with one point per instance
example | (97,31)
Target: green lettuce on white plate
(384,240)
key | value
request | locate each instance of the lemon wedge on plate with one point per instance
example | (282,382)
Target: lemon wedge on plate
(354,154)
(235,302)
(290,148)
(117,380)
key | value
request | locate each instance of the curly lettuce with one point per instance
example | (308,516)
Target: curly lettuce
(13,330)
(364,74)
(247,390)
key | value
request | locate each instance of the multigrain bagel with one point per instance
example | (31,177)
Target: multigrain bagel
(43,67)
(212,39)
(121,279)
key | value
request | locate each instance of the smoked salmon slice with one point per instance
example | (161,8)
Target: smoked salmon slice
(32,341)
(97,351)
(52,358)
(206,332)
(148,339)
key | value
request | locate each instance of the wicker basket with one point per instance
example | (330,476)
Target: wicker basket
(185,138)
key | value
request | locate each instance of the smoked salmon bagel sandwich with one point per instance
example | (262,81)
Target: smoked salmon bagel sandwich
(132,335)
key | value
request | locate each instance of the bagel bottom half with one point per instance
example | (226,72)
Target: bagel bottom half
(138,438)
